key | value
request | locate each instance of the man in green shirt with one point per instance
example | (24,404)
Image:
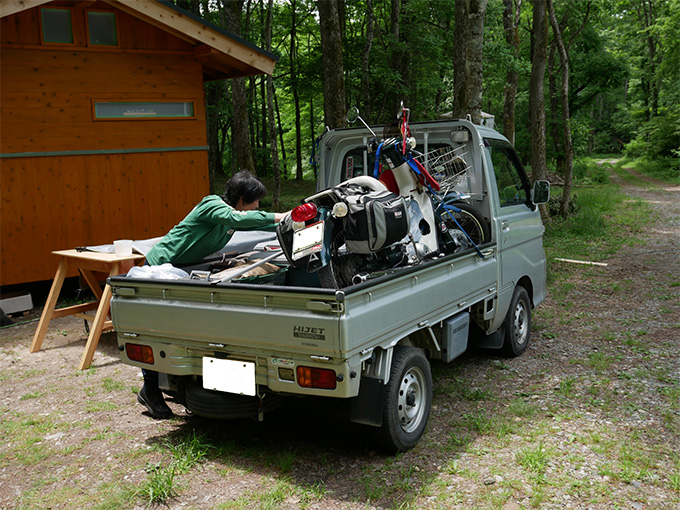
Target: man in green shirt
(206,230)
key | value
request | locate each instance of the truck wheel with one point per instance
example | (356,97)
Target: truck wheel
(408,398)
(517,324)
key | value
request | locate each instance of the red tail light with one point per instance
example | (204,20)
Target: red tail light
(141,353)
(303,212)
(323,378)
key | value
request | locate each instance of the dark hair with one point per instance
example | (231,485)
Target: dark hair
(243,185)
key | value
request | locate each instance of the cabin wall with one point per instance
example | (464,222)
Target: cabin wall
(70,180)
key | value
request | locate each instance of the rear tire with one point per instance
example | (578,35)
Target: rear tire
(517,323)
(407,402)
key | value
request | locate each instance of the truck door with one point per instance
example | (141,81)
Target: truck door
(518,226)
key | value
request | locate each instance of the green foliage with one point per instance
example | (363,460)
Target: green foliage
(624,76)
(160,486)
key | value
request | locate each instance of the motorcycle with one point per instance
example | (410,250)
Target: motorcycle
(401,216)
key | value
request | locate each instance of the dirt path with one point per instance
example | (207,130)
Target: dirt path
(589,417)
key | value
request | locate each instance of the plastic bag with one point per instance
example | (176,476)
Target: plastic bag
(163,272)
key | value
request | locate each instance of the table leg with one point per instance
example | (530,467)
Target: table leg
(51,303)
(92,282)
(98,323)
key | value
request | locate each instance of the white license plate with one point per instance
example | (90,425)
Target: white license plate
(308,240)
(229,375)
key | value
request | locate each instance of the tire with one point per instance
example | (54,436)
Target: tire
(407,402)
(327,276)
(517,324)
(472,222)
(227,406)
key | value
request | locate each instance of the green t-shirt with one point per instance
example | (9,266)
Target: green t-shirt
(205,230)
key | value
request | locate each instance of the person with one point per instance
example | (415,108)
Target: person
(206,230)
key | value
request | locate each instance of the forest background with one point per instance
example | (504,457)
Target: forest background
(563,80)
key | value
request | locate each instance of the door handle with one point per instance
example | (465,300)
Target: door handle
(505,225)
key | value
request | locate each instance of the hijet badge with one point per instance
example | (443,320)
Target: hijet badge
(309,333)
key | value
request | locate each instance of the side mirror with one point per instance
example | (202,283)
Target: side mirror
(541,192)
(352,115)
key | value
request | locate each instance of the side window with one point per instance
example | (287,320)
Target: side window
(511,180)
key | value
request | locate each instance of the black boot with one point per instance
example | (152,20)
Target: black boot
(154,402)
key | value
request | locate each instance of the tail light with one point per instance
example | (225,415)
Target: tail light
(323,378)
(303,212)
(141,353)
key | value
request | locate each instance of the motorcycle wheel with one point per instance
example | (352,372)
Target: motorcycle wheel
(471,221)
(339,271)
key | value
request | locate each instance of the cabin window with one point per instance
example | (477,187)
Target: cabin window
(106,110)
(102,28)
(57,26)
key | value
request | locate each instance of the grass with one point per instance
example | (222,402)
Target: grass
(665,169)
(552,434)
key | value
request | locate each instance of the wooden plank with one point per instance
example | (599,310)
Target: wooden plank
(68,201)
(22,27)
(171,20)
(10,7)
(75,309)
(48,309)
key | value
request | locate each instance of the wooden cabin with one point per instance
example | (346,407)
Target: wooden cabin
(102,123)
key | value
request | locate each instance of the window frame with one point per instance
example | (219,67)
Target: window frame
(71,12)
(509,152)
(95,118)
(87,29)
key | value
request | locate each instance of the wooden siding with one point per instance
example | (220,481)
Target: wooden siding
(23,28)
(58,203)
(47,96)
(61,200)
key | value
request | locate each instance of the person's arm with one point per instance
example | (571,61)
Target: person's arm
(218,212)
(278,217)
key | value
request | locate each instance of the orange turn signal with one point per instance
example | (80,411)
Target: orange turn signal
(309,377)
(141,353)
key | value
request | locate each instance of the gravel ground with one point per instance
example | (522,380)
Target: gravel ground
(587,418)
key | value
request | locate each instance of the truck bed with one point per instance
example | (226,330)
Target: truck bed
(192,319)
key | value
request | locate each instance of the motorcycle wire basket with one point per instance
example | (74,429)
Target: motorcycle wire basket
(447,165)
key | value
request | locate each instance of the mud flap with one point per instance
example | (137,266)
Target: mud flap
(367,407)
(492,341)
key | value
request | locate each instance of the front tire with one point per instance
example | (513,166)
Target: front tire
(408,399)
(517,324)
(470,220)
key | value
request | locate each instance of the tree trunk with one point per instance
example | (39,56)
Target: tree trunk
(296,96)
(536,99)
(276,192)
(566,120)
(214,93)
(553,120)
(279,129)
(468,39)
(333,72)
(366,60)
(240,131)
(511,18)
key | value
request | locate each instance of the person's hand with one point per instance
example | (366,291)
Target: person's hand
(278,217)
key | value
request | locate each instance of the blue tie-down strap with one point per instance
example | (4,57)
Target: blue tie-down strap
(448,208)
(376,168)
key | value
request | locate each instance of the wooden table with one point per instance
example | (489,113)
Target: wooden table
(87,263)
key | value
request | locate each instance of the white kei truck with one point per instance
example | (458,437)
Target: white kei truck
(239,348)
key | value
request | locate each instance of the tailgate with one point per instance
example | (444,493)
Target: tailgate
(260,319)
